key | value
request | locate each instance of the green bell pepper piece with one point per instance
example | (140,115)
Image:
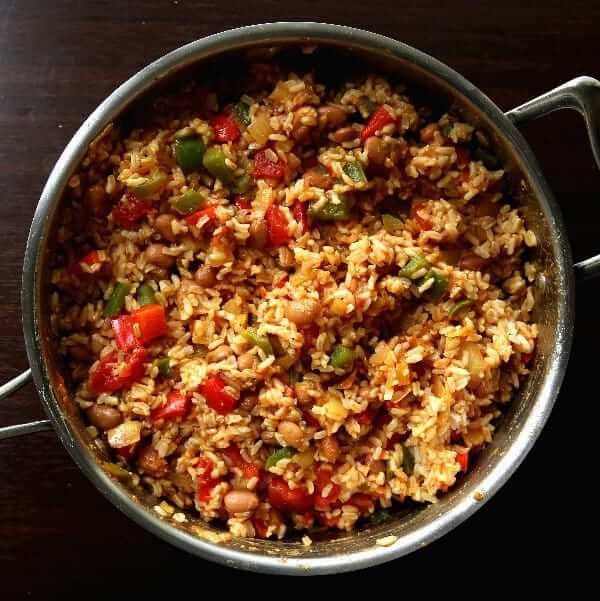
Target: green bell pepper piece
(189,153)
(276,456)
(117,299)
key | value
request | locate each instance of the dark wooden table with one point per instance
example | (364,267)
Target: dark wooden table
(58,536)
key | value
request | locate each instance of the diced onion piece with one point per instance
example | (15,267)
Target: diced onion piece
(124,434)
(260,128)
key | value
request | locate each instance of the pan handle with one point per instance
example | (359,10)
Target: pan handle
(583,95)
(20,429)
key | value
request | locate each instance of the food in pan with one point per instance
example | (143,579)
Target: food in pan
(294,305)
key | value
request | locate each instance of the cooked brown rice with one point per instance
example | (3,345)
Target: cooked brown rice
(355,362)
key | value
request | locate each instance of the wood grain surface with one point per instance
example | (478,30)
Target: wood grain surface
(58,60)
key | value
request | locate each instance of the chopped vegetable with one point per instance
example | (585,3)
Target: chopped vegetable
(366,106)
(188,202)
(194,218)
(423,222)
(363,502)
(234,458)
(391,223)
(300,213)
(260,128)
(408,460)
(336,209)
(225,129)
(117,471)
(414,267)
(380,118)
(439,286)
(130,210)
(264,167)
(322,481)
(145,295)
(111,374)
(342,357)
(152,322)
(189,153)
(152,185)
(242,184)
(205,483)
(178,404)
(117,299)
(459,308)
(217,398)
(215,163)
(284,498)
(277,226)
(242,202)
(124,434)
(93,260)
(355,172)
(486,157)
(463,461)
(446,129)
(185,132)
(262,342)
(276,456)
(242,112)
(124,332)
(380,516)
(163,364)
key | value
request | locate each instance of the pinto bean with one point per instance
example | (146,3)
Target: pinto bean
(104,417)
(155,255)
(344,134)
(259,235)
(151,462)
(219,354)
(291,433)
(318,177)
(331,116)
(162,224)
(330,449)
(205,276)
(240,501)
(375,149)
(302,312)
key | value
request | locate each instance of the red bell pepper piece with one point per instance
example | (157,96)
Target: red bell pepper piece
(260,527)
(264,167)
(130,210)
(204,481)
(213,390)
(301,215)
(126,452)
(178,405)
(194,218)
(463,156)
(277,226)
(152,322)
(124,332)
(323,478)
(92,258)
(310,419)
(415,212)
(282,497)
(242,202)
(366,417)
(310,334)
(363,502)
(111,374)
(225,128)
(463,461)
(234,457)
(379,119)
